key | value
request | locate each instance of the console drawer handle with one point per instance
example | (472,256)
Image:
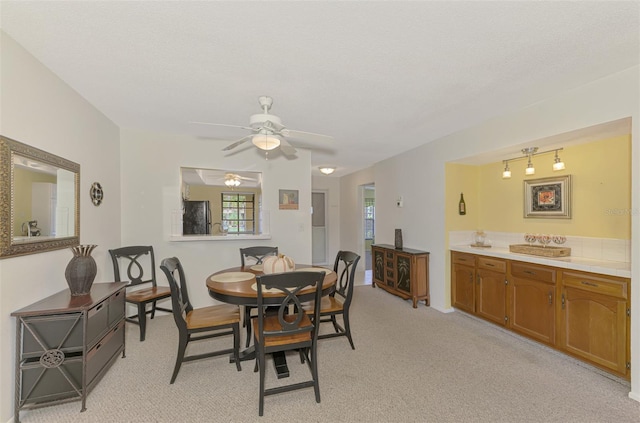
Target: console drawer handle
(589,283)
(529,272)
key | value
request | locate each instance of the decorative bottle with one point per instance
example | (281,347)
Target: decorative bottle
(462,207)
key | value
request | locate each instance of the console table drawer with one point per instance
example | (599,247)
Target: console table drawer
(104,350)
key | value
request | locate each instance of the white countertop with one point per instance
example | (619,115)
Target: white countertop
(605,267)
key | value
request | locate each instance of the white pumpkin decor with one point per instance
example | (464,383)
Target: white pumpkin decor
(278,264)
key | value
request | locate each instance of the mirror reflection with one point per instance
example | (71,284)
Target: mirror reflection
(220,203)
(39,200)
(44,201)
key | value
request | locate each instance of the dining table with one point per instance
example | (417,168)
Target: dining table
(237,285)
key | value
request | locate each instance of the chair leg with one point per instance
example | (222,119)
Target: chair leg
(142,320)
(347,329)
(247,323)
(236,345)
(262,374)
(153,309)
(314,372)
(335,323)
(182,347)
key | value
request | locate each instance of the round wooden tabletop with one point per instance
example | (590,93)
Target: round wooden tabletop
(238,286)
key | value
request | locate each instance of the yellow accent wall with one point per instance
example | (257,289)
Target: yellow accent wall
(601,191)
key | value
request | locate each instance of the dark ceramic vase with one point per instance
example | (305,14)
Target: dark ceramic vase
(398,240)
(81,270)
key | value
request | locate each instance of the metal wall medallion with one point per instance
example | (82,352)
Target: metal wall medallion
(96,193)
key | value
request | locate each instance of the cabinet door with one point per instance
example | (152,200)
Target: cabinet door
(378,266)
(491,296)
(532,309)
(463,284)
(594,328)
(403,273)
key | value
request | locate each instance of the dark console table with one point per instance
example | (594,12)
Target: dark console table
(65,344)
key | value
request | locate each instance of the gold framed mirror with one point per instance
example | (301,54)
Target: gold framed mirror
(39,200)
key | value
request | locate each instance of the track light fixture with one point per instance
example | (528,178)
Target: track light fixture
(528,153)
(506,174)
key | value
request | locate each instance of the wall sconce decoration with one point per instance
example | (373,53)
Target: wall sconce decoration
(96,194)
(528,153)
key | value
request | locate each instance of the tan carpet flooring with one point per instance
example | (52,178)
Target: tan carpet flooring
(410,365)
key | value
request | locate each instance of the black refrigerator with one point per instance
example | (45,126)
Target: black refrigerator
(196,219)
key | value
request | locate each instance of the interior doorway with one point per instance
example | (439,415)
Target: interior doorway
(319,228)
(369,221)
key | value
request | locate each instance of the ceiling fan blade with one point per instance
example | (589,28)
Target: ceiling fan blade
(286,148)
(222,124)
(237,143)
(308,136)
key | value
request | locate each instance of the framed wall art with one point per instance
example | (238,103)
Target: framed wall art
(548,198)
(288,199)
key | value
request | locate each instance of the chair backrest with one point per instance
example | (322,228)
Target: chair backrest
(181,305)
(345,267)
(257,253)
(140,264)
(293,288)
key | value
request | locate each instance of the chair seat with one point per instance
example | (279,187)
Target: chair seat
(271,324)
(148,294)
(213,316)
(327,305)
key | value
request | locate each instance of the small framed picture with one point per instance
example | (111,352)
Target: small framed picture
(288,199)
(548,198)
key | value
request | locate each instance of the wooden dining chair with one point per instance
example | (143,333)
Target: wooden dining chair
(339,301)
(284,330)
(248,256)
(142,288)
(197,324)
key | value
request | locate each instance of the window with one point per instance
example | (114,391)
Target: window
(238,216)
(369,218)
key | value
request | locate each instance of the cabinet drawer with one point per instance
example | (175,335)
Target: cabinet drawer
(40,384)
(116,307)
(597,284)
(97,322)
(496,265)
(531,271)
(462,258)
(104,350)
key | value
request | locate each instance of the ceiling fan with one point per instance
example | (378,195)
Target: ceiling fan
(268,132)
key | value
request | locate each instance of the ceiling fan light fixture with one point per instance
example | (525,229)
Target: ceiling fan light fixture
(327,170)
(232,182)
(265,142)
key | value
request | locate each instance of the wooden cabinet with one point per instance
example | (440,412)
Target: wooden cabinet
(491,289)
(463,279)
(595,319)
(402,272)
(531,301)
(585,315)
(65,344)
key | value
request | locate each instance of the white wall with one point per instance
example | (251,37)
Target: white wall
(419,176)
(150,193)
(39,109)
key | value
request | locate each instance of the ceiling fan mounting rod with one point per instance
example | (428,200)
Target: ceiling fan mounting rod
(265,102)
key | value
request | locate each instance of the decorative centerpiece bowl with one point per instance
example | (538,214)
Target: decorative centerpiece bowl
(530,238)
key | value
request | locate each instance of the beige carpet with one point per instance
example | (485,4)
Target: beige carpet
(410,365)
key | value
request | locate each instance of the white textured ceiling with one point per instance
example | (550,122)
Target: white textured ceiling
(380,77)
